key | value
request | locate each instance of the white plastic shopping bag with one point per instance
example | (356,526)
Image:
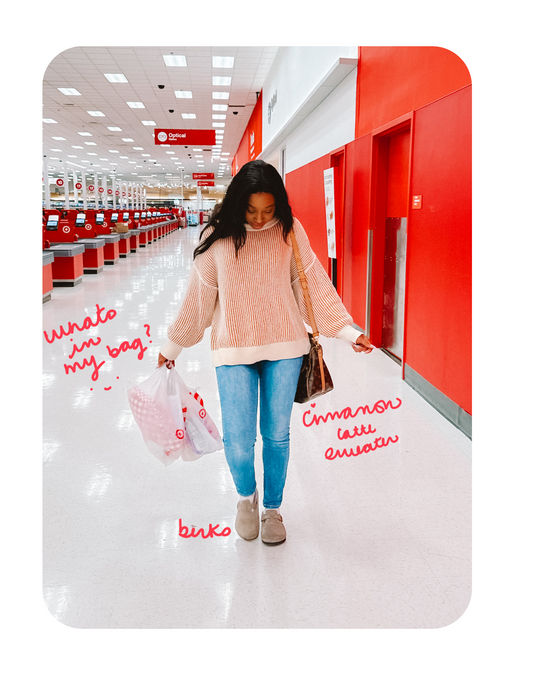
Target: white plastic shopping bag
(172,417)
(156,407)
(201,432)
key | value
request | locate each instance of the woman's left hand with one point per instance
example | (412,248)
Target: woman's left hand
(362,344)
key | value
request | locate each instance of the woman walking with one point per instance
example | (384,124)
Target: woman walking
(244,284)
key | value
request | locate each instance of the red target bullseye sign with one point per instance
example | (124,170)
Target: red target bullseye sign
(60,182)
(78,185)
(91,188)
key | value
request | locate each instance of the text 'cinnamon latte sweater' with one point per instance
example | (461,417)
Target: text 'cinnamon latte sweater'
(254,302)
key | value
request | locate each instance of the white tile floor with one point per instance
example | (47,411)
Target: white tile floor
(379,540)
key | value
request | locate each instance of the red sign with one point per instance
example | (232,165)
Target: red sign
(206,183)
(59,182)
(203,176)
(101,190)
(117,193)
(78,185)
(91,188)
(185,137)
(110,191)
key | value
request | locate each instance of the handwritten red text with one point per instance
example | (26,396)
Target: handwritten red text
(379,442)
(87,323)
(134,345)
(92,362)
(347,413)
(357,431)
(86,343)
(211,532)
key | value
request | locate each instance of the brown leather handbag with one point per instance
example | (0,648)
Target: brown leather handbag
(315,379)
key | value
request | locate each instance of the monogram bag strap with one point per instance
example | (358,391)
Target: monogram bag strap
(305,287)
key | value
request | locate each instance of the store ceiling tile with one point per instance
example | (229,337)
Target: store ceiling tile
(145,69)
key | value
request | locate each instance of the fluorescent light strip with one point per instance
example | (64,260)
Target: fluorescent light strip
(175,60)
(223,61)
(116,78)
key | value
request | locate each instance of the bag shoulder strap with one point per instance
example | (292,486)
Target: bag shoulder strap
(303,281)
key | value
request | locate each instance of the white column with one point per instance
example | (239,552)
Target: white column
(104,185)
(74,182)
(65,186)
(84,190)
(113,190)
(46,184)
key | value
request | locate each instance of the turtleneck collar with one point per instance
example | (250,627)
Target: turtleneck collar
(268,225)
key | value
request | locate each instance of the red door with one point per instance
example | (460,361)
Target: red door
(390,188)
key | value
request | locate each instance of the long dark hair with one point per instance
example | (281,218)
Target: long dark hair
(255,177)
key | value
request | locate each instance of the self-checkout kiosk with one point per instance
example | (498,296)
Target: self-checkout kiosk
(124,245)
(48,280)
(135,232)
(93,256)
(143,227)
(67,266)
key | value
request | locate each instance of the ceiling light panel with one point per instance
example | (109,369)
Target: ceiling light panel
(116,78)
(175,60)
(223,61)
(183,94)
(144,68)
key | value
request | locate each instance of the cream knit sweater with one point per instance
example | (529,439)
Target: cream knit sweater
(254,303)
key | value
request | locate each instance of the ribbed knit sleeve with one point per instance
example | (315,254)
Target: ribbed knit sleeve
(330,313)
(198,306)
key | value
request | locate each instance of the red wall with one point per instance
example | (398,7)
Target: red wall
(305,188)
(438,316)
(393,81)
(248,151)
(434,85)
(358,157)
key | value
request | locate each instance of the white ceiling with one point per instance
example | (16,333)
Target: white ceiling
(144,67)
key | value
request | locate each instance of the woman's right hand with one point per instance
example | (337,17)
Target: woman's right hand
(163,360)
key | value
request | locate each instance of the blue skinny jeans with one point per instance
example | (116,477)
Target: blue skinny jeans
(241,387)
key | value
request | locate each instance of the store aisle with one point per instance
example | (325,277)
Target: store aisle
(378,531)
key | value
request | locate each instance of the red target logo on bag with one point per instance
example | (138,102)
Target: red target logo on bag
(202,413)
(180,433)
